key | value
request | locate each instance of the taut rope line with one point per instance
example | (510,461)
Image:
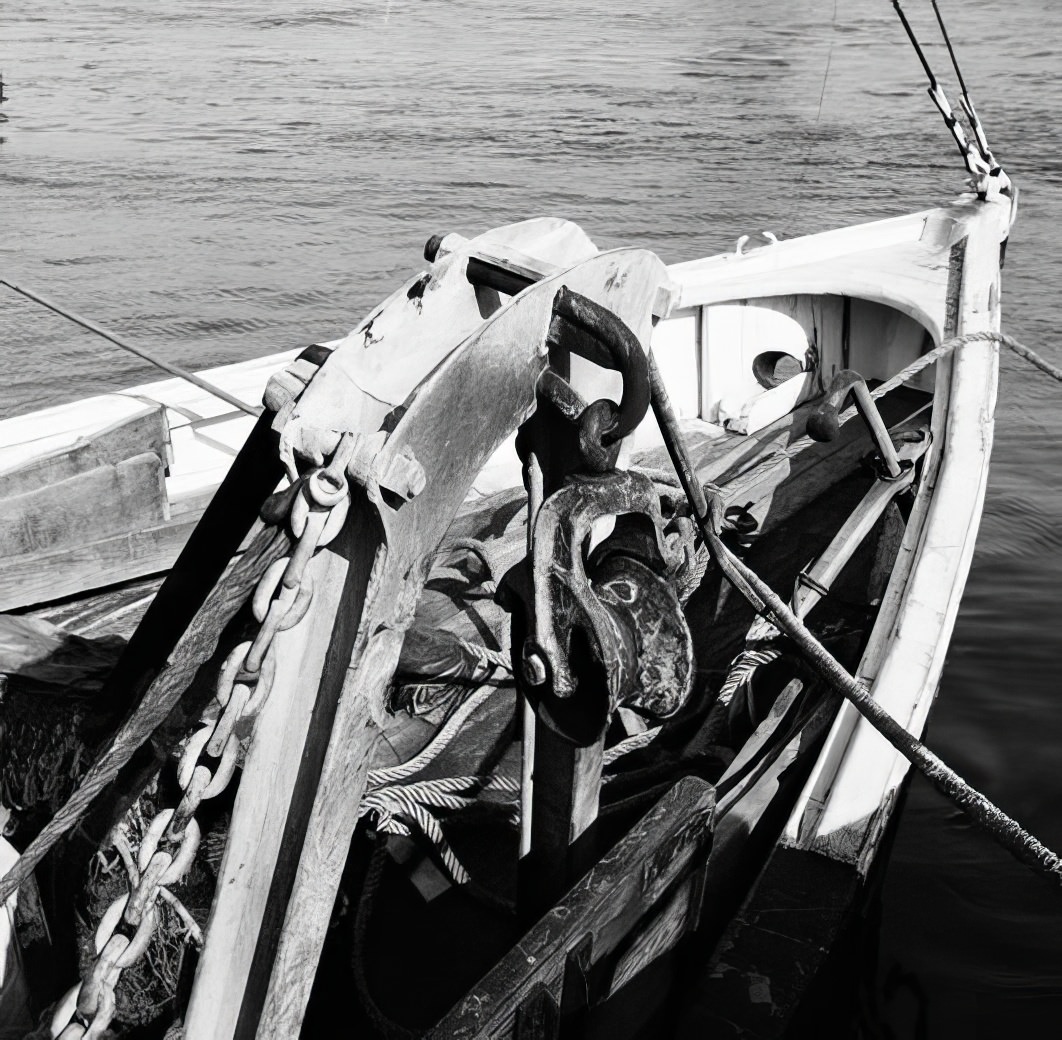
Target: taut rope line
(166,366)
(1005,830)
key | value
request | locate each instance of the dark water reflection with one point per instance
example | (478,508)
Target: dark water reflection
(219,180)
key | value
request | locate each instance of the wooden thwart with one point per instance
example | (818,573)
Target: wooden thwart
(106,500)
(88,514)
(145,430)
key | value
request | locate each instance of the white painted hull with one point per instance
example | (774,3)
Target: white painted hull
(873,298)
(901,264)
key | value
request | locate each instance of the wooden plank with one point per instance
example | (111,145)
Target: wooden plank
(564,807)
(143,431)
(152,547)
(825,570)
(91,505)
(322,820)
(667,926)
(264,833)
(37,578)
(539,1016)
(601,911)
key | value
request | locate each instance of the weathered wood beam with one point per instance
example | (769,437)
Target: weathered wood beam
(854,531)
(645,869)
(145,430)
(567,789)
(99,502)
(281,773)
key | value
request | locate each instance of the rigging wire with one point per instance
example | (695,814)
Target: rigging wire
(933,84)
(166,366)
(829,58)
(976,155)
(822,91)
(951,50)
(966,101)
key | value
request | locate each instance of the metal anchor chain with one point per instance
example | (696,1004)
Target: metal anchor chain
(317,508)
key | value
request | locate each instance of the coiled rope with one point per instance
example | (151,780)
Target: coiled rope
(397,807)
(439,743)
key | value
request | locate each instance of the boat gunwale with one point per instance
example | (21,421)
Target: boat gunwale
(823,818)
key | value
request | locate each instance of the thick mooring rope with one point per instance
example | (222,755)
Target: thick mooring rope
(439,743)
(1008,832)
(397,807)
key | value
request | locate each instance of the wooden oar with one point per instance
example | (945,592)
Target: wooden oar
(1008,832)
(166,366)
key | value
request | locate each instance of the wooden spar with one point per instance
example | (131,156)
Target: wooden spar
(598,930)
(565,803)
(264,832)
(452,423)
(854,531)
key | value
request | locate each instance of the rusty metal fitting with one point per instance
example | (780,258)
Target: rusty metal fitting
(581,326)
(824,423)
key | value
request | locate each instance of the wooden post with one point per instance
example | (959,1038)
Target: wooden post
(271,812)
(567,790)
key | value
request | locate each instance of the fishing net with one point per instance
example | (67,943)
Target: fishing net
(51,718)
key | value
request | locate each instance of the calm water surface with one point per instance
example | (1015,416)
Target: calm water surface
(221,180)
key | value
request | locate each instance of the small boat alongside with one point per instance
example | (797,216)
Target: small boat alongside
(522,668)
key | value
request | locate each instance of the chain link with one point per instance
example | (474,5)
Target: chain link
(210,755)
